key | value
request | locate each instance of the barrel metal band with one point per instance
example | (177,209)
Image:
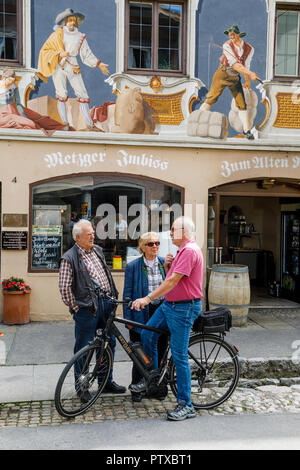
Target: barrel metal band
(230,306)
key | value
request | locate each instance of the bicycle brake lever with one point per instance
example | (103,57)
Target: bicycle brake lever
(128,301)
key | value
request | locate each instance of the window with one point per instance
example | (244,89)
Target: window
(120,209)
(155,36)
(287,42)
(10,32)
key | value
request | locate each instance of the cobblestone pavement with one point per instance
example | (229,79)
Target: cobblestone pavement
(262,399)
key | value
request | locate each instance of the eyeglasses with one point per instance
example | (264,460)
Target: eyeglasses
(174,229)
(153,243)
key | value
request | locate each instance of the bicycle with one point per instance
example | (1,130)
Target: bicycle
(213,361)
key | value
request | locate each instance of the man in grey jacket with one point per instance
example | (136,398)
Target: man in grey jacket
(82,268)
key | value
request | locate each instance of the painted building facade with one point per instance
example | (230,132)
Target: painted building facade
(75,142)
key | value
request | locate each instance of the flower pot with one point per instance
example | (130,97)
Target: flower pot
(16,308)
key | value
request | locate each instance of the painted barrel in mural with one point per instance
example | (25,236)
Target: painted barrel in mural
(229,286)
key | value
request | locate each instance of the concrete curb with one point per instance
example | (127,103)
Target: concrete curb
(273,367)
(38,382)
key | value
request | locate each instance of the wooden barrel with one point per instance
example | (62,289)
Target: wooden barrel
(229,287)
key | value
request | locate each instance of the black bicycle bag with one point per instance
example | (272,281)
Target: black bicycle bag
(218,320)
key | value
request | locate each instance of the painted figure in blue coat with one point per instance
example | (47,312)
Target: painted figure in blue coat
(142,276)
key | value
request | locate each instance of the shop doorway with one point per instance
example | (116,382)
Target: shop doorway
(257,223)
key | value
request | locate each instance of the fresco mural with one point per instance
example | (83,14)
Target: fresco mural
(15,116)
(58,59)
(234,62)
(143,104)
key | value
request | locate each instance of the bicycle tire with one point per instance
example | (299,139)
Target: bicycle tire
(67,402)
(215,383)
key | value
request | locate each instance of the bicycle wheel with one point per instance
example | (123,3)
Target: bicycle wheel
(79,377)
(214,370)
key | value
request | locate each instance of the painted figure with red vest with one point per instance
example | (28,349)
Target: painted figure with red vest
(235,60)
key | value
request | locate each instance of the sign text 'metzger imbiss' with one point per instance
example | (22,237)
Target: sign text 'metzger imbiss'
(123,159)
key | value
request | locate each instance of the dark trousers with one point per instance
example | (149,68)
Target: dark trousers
(86,325)
(136,338)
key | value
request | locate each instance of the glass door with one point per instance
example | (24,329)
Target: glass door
(214,251)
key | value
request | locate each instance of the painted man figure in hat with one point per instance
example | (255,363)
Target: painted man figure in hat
(58,59)
(235,60)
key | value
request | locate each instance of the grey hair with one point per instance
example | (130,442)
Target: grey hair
(186,223)
(144,239)
(77,228)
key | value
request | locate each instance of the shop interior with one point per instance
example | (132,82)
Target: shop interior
(257,223)
(119,208)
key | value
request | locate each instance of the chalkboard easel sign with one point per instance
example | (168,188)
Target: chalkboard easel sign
(46,249)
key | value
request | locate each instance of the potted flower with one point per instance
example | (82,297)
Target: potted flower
(16,305)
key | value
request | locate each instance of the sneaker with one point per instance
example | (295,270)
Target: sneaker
(181,412)
(139,387)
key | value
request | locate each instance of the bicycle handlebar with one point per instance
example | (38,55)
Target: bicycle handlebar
(99,290)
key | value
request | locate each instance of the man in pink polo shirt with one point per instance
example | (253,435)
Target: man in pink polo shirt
(182,290)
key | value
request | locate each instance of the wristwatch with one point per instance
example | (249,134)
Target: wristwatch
(150,296)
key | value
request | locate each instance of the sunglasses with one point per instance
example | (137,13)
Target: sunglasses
(153,243)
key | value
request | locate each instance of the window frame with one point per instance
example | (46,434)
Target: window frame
(156,71)
(19,62)
(75,175)
(294,8)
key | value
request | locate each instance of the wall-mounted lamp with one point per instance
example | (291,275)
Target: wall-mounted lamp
(266,184)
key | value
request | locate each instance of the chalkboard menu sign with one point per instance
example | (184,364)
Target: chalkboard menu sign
(46,247)
(14,240)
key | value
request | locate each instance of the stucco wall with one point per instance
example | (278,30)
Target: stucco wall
(30,163)
(193,168)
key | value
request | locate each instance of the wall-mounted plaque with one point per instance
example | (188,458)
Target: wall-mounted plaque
(14,240)
(15,220)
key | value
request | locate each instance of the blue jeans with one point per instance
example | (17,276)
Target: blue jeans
(178,319)
(86,325)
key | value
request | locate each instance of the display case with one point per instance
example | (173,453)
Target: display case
(290,272)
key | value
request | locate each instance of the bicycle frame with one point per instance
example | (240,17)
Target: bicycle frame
(207,372)
(111,328)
